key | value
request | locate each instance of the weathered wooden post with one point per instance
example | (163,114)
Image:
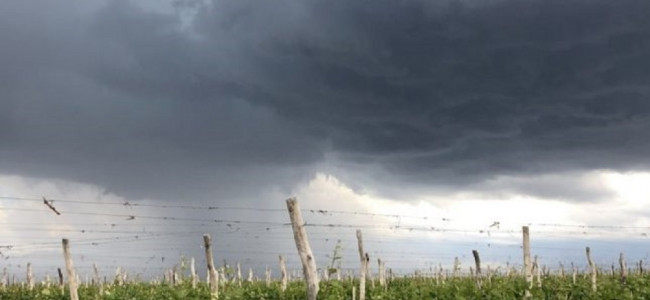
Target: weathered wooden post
(304,250)
(239,274)
(538,271)
(120,276)
(382,273)
(96,280)
(5,278)
(477,261)
(368,272)
(195,276)
(267,274)
(593,269)
(72,277)
(95,275)
(283,272)
(47,281)
(528,268)
(167,275)
(362,269)
(326,274)
(574,273)
(214,277)
(456,272)
(60,279)
(621,261)
(30,277)
(222,275)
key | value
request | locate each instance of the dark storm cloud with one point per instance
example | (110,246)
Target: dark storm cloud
(233,94)
(111,99)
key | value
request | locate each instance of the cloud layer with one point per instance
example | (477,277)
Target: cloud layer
(232,98)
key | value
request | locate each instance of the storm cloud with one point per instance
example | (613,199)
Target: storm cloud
(231,97)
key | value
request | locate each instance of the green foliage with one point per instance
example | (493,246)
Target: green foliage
(497,288)
(335,263)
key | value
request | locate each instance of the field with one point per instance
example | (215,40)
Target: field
(494,287)
(357,280)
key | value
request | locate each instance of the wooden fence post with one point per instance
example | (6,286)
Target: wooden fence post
(221,272)
(119,276)
(96,280)
(195,276)
(267,274)
(223,275)
(5,278)
(30,277)
(95,275)
(223,279)
(239,274)
(456,271)
(283,272)
(72,277)
(528,268)
(592,266)
(368,272)
(382,273)
(214,277)
(477,261)
(538,271)
(326,274)
(304,250)
(441,274)
(60,279)
(621,261)
(574,273)
(362,269)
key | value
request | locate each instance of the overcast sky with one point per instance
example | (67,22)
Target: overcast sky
(467,112)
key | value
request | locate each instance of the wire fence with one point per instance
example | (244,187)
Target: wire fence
(150,237)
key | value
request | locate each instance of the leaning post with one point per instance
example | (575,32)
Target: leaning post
(304,250)
(72,277)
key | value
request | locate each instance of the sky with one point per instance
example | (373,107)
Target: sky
(436,127)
